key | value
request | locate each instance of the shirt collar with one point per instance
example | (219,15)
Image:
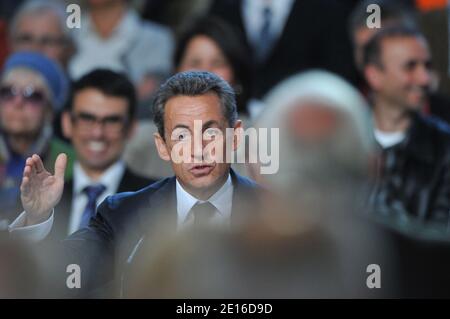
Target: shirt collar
(110,178)
(127,26)
(222,200)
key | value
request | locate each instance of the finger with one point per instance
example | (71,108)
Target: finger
(28,169)
(32,165)
(38,164)
(60,166)
(24,184)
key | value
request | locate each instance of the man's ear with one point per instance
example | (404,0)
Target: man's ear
(373,76)
(161,147)
(238,134)
(131,129)
(66,123)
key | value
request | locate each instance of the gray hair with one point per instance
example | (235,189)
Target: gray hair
(193,83)
(34,7)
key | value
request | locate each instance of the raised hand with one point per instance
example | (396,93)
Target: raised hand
(41,191)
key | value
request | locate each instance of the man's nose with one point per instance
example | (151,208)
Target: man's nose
(423,76)
(33,45)
(197,148)
(18,101)
(97,130)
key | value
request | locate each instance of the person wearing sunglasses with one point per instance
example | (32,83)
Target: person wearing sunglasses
(32,89)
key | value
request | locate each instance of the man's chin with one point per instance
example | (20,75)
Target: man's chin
(99,165)
(206,182)
(203,182)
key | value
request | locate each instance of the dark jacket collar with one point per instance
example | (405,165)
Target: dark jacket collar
(420,142)
(164,200)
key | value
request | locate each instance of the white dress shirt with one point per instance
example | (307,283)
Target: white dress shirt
(252,13)
(388,139)
(221,200)
(110,179)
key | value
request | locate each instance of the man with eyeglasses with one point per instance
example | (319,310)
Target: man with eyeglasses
(32,89)
(40,25)
(98,120)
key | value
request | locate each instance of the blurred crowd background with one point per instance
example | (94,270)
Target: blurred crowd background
(309,67)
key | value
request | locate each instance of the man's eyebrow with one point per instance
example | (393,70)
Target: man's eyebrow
(83,113)
(181,126)
(210,123)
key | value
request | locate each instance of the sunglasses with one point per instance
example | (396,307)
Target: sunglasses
(29,94)
(47,40)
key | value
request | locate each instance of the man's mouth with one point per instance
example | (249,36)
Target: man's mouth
(201,169)
(95,146)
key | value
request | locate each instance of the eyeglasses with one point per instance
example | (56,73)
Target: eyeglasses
(112,124)
(44,41)
(29,94)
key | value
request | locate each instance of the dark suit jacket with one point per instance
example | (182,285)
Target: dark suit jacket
(314,36)
(102,249)
(129,182)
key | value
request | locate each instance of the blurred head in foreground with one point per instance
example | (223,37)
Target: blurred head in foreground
(19,271)
(325,146)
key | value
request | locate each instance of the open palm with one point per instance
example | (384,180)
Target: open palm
(40,190)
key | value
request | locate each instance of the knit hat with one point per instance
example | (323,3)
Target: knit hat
(50,70)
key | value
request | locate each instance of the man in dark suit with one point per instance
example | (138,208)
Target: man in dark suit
(399,14)
(289,36)
(193,111)
(98,120)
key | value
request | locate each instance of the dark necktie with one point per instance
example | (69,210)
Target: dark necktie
(92,192)
(264,43)
(202,212)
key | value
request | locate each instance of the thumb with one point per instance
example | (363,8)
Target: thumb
(60,166)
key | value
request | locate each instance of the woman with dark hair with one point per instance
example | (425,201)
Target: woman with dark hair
(211,44)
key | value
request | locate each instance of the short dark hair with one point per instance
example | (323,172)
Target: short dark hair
(396,11)
(233,46)
(372,50)
(110,83)
(193,83)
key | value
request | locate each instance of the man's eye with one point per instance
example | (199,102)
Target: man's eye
(211,132)
(182,136)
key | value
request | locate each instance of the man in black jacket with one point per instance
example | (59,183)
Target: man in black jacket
(99,119)
(413,182)
(285,37)
(204,190)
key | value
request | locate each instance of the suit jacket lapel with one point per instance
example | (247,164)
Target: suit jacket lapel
(124,185)
(161,205)
(245,199)
(131,182)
